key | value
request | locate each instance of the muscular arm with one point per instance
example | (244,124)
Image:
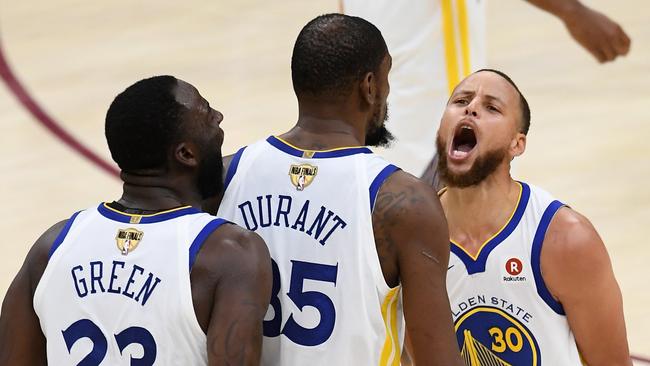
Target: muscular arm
(236,265)
(578,272)
(594,31)
(21,339)
(413,247)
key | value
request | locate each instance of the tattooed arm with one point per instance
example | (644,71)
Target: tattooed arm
(231,288)
(413,246)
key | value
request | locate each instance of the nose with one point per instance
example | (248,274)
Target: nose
(471,110)
(218,116)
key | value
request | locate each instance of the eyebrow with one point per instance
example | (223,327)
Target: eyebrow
(469,92)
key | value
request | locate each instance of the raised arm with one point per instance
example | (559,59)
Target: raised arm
(21,339)
(413,246)
(594,31)
(238,264)
(578,273)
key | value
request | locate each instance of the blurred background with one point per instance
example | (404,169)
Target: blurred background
(588,143)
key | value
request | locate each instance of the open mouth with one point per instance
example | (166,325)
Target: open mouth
(464,141)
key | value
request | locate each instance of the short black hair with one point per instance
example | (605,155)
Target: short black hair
(332,51)
(143,122)
(525,109)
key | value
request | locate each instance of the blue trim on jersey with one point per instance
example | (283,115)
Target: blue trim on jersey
(62,235)
(378,181)
(200,239)
(115,215)
(232,168)
(478,265)
(535,259)
(337,153)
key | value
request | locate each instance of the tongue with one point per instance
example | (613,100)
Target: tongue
(464,148)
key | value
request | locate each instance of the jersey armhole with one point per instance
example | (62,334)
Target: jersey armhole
(64,232)
(378,181)
(232,168)
(196,245)
(538,241)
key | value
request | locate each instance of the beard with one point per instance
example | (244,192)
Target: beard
(482,168)
(210,174)
(377,134)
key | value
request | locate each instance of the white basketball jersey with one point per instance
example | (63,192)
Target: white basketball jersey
(434,45)
(330,303)
(116,290)
(503,312)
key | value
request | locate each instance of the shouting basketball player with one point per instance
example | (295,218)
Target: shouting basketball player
(147,279)
(354,240)
(530,281)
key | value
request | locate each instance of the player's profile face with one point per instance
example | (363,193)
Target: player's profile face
(477,129)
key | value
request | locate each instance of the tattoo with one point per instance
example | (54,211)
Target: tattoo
(389,208)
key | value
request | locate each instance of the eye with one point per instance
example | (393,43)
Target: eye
(492,108)
(461,101)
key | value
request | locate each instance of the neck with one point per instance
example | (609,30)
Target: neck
(156,192)
(476,213)
(323,126)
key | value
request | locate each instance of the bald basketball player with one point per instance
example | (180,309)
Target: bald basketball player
(147,279)
(355,241)
(530,281)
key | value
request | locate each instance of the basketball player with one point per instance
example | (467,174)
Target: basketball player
(354,240)
(147,279)
(529,280)
(435,43)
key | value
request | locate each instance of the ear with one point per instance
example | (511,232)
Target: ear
(518,145)
(185,154)
(368,88)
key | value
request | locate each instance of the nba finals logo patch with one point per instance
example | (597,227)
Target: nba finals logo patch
(488,335)
(513,268)
(128,240)
(302,175)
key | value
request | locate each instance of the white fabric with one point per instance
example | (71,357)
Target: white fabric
(114,301)
(337,265)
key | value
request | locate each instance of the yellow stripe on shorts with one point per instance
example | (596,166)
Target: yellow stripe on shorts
(390,353)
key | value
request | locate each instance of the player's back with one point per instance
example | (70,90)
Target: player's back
(330,303)
(117,288)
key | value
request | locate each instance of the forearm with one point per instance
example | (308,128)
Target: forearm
(562,9)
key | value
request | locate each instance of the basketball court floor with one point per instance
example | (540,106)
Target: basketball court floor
(589,142)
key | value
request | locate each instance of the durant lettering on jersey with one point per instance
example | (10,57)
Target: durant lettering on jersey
(132,283)
(279,211)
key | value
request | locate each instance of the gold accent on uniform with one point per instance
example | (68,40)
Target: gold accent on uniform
(135,219)
(302,175)
(476,354)
(128,239)
(308,154)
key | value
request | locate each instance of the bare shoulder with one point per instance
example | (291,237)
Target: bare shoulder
(573,254)
(39,254)
(404,197)
(571,237)
(232,248)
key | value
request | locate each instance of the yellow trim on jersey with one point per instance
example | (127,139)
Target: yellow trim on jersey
(315,151)
(464,35)
(474,257)
(390,353)
(148,215)
(451,57)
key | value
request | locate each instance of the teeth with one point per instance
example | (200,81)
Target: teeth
(466,127)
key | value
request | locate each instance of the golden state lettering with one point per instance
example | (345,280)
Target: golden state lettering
(319,223)
(131,282)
